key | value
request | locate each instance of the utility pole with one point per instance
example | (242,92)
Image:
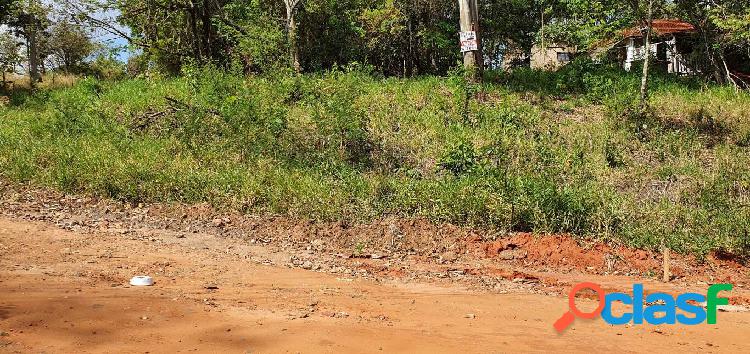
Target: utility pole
(471,45)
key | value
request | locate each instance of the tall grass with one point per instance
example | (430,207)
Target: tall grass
(544,152)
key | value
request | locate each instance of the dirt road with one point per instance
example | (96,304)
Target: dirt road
(63,292)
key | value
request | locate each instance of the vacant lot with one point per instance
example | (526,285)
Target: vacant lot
(530,151)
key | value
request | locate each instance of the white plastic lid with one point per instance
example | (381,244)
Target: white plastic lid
(141,280)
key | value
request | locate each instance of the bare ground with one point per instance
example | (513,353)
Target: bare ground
(237,283)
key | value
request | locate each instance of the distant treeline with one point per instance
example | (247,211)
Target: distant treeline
(393,37)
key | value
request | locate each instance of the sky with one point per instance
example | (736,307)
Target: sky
(112,40)
(104,37)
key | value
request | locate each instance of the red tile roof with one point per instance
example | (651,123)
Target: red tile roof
(662,27)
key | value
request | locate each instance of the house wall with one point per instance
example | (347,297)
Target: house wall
(513,58)
(547,58)
(635,50)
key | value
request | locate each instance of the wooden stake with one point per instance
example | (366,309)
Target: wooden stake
(665,254)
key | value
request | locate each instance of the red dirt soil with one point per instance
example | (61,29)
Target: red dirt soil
(66,292)
(236,283)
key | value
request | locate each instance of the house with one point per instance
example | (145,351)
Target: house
(671,46)
(552,56)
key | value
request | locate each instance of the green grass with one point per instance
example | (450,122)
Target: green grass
(543,152)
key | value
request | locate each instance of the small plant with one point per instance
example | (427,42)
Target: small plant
(460,158)
(613,154)
(359,249)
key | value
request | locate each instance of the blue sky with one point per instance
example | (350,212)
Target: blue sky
(112,40)
(104,37)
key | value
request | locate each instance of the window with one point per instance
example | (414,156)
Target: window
(563,57)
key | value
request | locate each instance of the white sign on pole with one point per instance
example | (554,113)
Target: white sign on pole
(469,41)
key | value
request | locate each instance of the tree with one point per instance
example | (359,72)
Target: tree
(256,37)
(385,31)
(69,45)
(732,18)
(643,11)
(9,53)
(586,22)
(408,37)
(6,9)
(104,64)
(29,20)
(394,37)
(647,23)
(171,32)
(724,29)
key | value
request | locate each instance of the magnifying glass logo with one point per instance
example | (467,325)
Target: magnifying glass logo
(567,319)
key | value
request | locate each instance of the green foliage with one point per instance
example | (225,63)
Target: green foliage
(582,77)
(6,7)
(585,22)
(346,146)
(459,159)
(68,45)
(9,53)
(258,41)
(104,65)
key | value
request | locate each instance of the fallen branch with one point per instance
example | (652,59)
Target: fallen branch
(185,105)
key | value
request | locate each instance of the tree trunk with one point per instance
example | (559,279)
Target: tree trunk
(647,59)
(410,68)
(192,19)
(208,28)
(710,54)
(726,69)
(34,76)
(291,32)
(293,50)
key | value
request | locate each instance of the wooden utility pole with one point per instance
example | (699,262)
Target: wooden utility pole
(470,23)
